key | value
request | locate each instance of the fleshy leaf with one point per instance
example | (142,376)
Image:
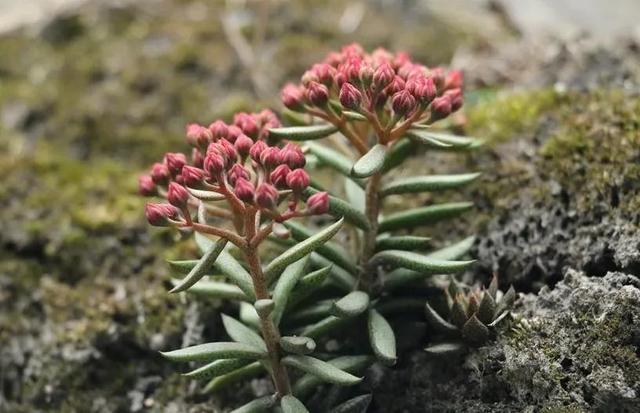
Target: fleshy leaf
(303,133)
(216,289)
(423,216)
(217,368)
(206,195)
(297,344)
(474,331)
(352,304)
(340,277)
(355,194)
(241,333)
(182,266)
(321,369)
(439,323)
(329,249)
(299,250)
(418,262)
(261,405)
(487,308)
(353,115)
(213,351)
(264,307)
(445,349)
(333,159)
(314,311)
(285,285)
(370,163)
(351,364)
(323,327)
(403,242)
(401,150)
(418,184)
(340,208)
(202,267)
(290,404)
(441,140)
(308,284)
(249,315)
(382,338)
(453,251)
(251,370)
(358,404)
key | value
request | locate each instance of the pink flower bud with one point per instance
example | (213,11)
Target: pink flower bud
(236,172)
(175,162)
(396,85)
(158,215)
(270,157)
(453,80)
(308,77)
(279,176)
(350,96)
(292,97)
(219,130)
(214,163)
(403,102)
(247,123)
(317,94)
(437,74)
(243,145)
(318,203)
(440,107)
(160,174)
(366,75)
(196,158)
(177,195)
(292,155)
(382,76)
(339,78)
(228,151)
(244,190)
(233,133)
(266,196)
(192,176)
(455,95)
(298,180)
(146,186)
(421,88)
(198,135)
(256,150)
(323,73)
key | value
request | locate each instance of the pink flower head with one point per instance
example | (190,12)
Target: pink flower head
(396,85)
(236,172)
(323,73)
(453,80)
(233,133)
(292,97)
(270,157)
(256,150)
(160,173)
(247,123)
(298,180)
(243,145)
(403,102)
(175,162)
(455,95)
(177,195)
(440,107)
(292,155)
(219,130)
(146,186)
(198,136)
(383,76)
(266,196)
(197,158)
(317,94)
(159,215)
(318,203)
(214,163)
(244,190)
(228,151)
(279,176)
(192,176)
(422,88)
(350,96)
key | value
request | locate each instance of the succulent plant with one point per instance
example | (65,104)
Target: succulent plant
(470,316)
(247,184)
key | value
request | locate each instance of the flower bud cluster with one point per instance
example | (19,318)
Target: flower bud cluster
(235,163)
(384,85)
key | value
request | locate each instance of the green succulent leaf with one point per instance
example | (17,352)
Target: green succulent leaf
(453,251)
(371,162)
(301,249)
(328,250)
(206,195)
(241,333)
(442,140)
(213,351)
(303,133)
(333,159)
(202,267)
(285,285)
(249,315)
(445,349)
(418,262)
(340,277)
(340,208)
(323,327)
(216,289)
(358,404)
(264,307)
(297,344)
(321,369)
(355,194)
(350,364)
(507,300)
(261,405)
(418,184)
(314,311)
(251,370)
(487,308)
(439,323)
(382,338)
(182,266)
(353,115)
(423,216)
(309,284)
(290,404)
(217,368)
(352,304)
(474,331)
(404,242)
(401,150)
(229,266)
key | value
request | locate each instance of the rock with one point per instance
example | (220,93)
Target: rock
(574,348)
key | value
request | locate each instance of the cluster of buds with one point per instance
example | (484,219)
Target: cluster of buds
(231,163)
(470,315)
(386,88)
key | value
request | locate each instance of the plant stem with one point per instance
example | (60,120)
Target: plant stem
(269,330)
(372,210)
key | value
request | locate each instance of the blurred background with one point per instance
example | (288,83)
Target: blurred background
(93,92)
